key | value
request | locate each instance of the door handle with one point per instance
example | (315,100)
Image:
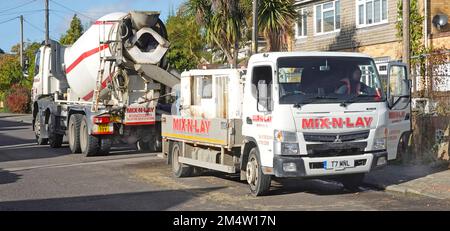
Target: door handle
(249,120)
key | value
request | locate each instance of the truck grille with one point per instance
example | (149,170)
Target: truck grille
(336,149)
(337,137)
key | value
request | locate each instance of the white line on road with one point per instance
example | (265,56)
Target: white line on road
(19,145)
(63,165)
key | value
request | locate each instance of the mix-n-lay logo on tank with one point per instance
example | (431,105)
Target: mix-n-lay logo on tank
(329,123)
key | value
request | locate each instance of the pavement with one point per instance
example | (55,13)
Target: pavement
(431,180)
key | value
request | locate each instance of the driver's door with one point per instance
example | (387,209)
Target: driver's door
(399,101)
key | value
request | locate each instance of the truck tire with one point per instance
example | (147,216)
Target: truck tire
(142,146)
(89,144)
(179,169)
(258,181)
(352,182)
(37,132)
(54,139)
(105,145)
(403,148)
(154,145)
(74,133)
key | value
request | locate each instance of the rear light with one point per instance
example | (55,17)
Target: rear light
(101,119)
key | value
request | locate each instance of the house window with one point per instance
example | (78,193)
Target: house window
(301,24)
(327,17)
(371,12)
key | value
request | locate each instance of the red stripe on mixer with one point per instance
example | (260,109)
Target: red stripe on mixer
(90,94)
(85,55)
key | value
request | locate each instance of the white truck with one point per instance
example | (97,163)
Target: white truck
(292,114)
(108,87)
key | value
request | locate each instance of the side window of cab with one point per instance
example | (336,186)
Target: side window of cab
(261,87)
(37,62)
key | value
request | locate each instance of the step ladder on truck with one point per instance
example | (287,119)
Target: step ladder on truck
(289,114)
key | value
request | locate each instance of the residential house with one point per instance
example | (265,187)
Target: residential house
(367,26)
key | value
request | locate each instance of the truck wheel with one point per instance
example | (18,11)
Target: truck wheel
(74,133)
(403,148)
(88,143)
(142,146)
(105,146)
(54,139)
(37,132)
(179,169)
(352,182)
(154,145)
(258,181)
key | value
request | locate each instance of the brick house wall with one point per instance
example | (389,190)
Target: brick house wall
(377,40)
(438,38)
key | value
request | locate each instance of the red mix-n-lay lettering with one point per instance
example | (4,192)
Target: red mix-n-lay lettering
(139,109)
(191,125)
(328,123)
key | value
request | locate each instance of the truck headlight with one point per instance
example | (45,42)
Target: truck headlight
(289,149)
(285,143)
(379,143)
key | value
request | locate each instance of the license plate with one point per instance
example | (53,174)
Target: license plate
(338,164)
(103,128)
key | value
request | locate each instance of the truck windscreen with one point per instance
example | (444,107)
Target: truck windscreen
(328,80)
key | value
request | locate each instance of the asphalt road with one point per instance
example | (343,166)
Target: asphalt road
(36,177)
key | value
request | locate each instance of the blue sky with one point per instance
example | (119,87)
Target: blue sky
(61,12)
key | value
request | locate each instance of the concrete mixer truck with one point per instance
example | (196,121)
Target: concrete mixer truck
(110,86)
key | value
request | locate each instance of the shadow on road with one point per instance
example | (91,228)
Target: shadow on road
(12,133)
(7,124)
(284,186)
(151,200)
(7,177)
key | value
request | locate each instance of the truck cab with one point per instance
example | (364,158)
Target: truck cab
(315,114)
(300,114)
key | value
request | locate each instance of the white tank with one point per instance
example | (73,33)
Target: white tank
(140,36)
(82,60)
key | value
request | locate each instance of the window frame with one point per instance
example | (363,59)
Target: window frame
(364,4)
(303,11)
(336,30)
(270,85)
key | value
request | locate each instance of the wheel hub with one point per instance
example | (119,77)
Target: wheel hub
(175,163)
(37,127)
(251,172)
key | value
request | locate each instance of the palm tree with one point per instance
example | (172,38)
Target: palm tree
(275,20)
(223,22)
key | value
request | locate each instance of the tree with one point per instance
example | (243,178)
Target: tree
(416,26)
(275,20)
(1,51)
(30,49)
(73,33)
(10,73)
(186,41)
(30,55)
(223,23)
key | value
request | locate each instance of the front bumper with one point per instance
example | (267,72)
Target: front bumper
(314,167)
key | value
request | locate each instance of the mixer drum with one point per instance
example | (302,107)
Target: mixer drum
(143,38)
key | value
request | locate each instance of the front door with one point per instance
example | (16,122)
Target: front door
(258,111)
(399,100)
